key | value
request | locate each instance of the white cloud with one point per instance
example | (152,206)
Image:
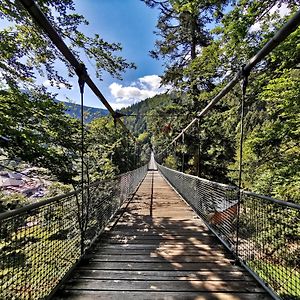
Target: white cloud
(129,93)
(153,81)
(282,10)
(117,106)
(141,89)
(255,27)
(48,83)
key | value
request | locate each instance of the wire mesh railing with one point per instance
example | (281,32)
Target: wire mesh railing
(41,243)
(268,239)
(269,242)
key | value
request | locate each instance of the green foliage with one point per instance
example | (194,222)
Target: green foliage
(25,50)
(278,275)
(138,113)
(273,146)
(90,113)
(12,201)
(34,127)
(170,162)
(38,131)
(57,188)
(182,30)
(108,150)
(210,150)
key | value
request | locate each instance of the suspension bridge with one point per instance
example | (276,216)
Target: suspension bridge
(150,234)
(153,232)
(159,249)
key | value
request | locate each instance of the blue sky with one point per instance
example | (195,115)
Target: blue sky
(131,23)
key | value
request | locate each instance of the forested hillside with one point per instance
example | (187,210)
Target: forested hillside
(89,172)
(90,113)
(35,131)
(136,115)
(204,44)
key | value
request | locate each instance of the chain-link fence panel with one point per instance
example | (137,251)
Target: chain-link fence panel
(216,203)
(269,242)
(40,243)
(262,232)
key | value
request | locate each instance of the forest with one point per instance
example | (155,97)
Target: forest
(198,64)
(203,44)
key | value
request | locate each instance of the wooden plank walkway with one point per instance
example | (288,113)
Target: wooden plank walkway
(159,249)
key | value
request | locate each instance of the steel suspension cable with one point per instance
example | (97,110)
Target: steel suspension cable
(244,90)
(183,149)
(56,39)
(81,82)
(278,38)
(199,149)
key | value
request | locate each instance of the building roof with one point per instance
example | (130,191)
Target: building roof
(15,175)
(4,182)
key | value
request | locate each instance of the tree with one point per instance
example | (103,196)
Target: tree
(272,148)
(234,38)
(35,129)
(182,28)
(108,151)
(25,50)
(268,168)
(34,126)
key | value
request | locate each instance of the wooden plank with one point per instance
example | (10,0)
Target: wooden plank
(166,266)
(159,237)
(165,252)
(162,275)
(160,242)
(163,285)
(135,295)
(157,258)
(168,246)
(159,233)
(167,219)
(160,226)
(162,251)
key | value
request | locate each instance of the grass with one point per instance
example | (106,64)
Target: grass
(34,258)
(285,281)
(45,263)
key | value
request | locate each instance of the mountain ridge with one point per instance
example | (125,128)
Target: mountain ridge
(90,113)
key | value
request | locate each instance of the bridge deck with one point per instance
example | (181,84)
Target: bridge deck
(159,249)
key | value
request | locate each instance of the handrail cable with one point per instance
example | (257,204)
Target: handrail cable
(279,37)
(43,202)
(81,220)
(44,23)
(242,107)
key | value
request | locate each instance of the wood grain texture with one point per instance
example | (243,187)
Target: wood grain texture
(159,249)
